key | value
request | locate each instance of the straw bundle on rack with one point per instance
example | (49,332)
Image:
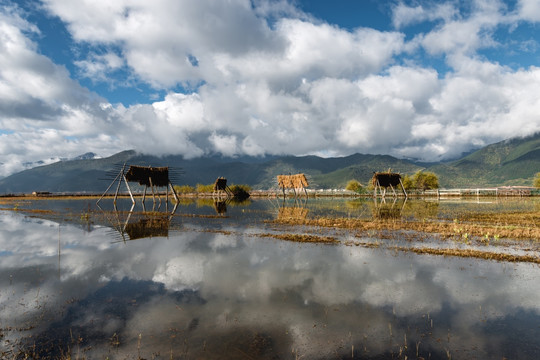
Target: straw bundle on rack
(220,184)
(386,179)
(297,181)
(159,176)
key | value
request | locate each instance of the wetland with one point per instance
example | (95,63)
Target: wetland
(345,278)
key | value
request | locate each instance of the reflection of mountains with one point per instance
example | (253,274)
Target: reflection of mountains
(222,293)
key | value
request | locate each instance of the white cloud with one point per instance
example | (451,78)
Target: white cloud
(225,144)
(181,272)
(299,86)
(529,10)
(98,67)
(404,15)
(239,278)
(157,37)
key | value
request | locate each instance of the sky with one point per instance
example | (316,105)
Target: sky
(419,79)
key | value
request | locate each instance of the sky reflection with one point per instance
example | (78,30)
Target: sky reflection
(231,294)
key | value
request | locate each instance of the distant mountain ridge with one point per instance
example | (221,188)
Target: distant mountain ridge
(510,162)
(33,164)
(89,175)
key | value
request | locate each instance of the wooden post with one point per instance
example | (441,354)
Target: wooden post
(174,192)
(122,176)
(152,187)
(393,191)
(166,198)
(129,190)
(97,202)
(403,188)
(144,193)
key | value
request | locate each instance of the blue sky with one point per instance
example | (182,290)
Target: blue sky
(415,79)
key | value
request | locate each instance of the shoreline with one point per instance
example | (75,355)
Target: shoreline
(501,191)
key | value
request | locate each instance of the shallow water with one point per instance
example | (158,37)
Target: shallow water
(82,282)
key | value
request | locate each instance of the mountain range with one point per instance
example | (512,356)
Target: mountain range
(510,162)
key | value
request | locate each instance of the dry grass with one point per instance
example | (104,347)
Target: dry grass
(296,181)
(504,219)
(303,238)
(524,226)
(464,253)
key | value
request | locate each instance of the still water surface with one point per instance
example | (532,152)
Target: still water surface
(79,282)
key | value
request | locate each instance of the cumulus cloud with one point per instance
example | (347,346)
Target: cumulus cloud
(255,282)
(264,78)
(404,15)
(98,66)
(529,10)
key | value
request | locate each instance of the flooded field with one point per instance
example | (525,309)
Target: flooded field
(270,279)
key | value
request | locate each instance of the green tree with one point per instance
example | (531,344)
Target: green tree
(537,181)
(184,189)
(422,180)
(205,188)
(425,180)
(407,182)
(354,185)
(240,191)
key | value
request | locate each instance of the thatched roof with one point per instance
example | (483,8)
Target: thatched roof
(296,181)
(220,184)
(386,179)
(143,174)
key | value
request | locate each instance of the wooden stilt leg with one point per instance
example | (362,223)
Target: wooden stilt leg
(393,191)
(166,198)
(144,193)
(129,190)
(174,192)
(152,187)
(97,202)
(403,188)
(118,187)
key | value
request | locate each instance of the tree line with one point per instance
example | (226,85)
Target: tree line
(421,180)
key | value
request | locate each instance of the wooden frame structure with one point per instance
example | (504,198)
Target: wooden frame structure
(144,175)
(295,182)
(384,180)
(220,185)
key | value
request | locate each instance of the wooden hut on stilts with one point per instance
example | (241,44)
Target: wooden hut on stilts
(295,182)
(152,177)
(220,187)
(384,180)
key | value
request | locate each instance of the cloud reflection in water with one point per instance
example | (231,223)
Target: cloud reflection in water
(233,295)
